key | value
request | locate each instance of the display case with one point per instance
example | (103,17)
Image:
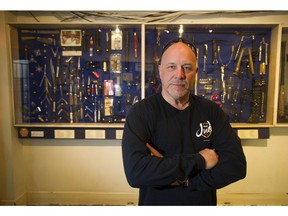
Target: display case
(282,111)
(79,80)
(75,74)
(236,66)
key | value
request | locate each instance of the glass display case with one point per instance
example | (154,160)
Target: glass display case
(282,111)
(75,74)
(233,61)
(79,80)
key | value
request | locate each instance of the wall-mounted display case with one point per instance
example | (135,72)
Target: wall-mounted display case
(236,67)
(75,74)
(282,111)
(80,76)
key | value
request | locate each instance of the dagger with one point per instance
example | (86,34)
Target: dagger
(238,49)
(236,72)
(214,47)
(205,57)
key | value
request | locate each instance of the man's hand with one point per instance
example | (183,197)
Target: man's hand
(210,156)
(153,151)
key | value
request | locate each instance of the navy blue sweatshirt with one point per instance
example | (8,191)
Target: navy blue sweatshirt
(179,135)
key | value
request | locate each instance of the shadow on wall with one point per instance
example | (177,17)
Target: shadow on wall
(69,143)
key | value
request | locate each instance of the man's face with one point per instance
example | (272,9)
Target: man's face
(177,71)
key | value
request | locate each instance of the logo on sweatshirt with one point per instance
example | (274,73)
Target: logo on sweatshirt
(205,130)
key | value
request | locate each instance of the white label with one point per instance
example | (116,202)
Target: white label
(95,134)
(72,53)
(64,134)
(37,133)
(248,134)
(119,134)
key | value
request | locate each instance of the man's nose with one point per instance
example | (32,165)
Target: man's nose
(180,73)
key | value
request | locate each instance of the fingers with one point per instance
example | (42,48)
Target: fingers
(210,156)
(153,151)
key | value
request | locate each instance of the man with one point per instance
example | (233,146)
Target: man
(179,148)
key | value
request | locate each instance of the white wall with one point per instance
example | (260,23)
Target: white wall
(74,167)
(266,160)
(97,165)
(86,171)
(12,175)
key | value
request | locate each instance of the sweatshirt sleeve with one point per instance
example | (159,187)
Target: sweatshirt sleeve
(231,166)
(142,169)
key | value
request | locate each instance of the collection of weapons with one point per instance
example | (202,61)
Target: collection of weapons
(86,83)
(242,91)
(99,80)
(233,70)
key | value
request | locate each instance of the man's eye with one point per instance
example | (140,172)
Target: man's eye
(187,68)
(171,67)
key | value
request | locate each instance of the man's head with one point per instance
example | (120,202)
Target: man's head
(178,69)
(171,42)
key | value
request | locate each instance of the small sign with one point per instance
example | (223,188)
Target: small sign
(64,134)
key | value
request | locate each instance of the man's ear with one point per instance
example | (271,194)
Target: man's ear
(159,70)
